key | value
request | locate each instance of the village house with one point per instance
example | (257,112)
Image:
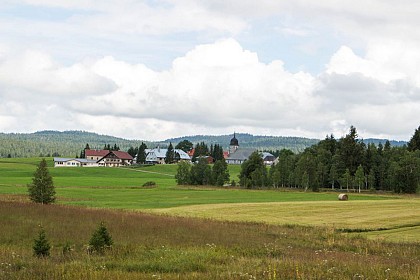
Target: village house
(95,158)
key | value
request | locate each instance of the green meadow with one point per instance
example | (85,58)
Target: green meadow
(188,232)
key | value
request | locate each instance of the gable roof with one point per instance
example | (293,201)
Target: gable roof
(161,153)
(122,155)
(96,153)
(241,154)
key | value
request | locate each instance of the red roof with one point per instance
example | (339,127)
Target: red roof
(122,155)
(96,153)
(225,154)
(191,152)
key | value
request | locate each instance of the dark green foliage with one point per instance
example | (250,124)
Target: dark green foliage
(220,173)
(351,150)
(141,155)
(183,176)
(170,154)
(349,163)
(253,172)
(201,173)
(217,152)
(100,239)
(42,188)
(41,246)
(200,150)
(184,145)
(414,143)
(149,184)
(133,151)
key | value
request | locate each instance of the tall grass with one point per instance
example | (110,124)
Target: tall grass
(153,247)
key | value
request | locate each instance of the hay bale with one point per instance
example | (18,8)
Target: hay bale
(343,197)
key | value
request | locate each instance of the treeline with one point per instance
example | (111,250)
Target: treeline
(347,163)
(202,173)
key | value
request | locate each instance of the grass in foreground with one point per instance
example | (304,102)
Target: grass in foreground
(153,247)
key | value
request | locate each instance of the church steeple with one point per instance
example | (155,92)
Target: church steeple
(234,144)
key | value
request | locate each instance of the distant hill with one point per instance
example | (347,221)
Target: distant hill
(393,143)
(49,143)
(296,144)
(70,143)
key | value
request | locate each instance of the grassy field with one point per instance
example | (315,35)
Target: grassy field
(239,234)
(165,247)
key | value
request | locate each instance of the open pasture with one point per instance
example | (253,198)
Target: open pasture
(121,188)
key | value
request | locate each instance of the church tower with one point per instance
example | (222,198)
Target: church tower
(234,144)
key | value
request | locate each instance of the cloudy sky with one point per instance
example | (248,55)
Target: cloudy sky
(154,69)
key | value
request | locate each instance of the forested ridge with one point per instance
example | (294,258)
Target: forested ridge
(70,143)
(56,143)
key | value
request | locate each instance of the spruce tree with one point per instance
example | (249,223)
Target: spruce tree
(414,143)
(42,188)
(141,155)
(100,239)
(41,245)
(170,154)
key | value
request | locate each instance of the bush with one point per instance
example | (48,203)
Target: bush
(100,239)
(149,184)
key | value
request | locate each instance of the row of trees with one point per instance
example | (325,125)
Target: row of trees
(346,163)
(202,173)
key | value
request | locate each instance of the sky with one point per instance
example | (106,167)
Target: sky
(152,70)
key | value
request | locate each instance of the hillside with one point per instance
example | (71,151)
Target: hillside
(296,144)
(70,143)
(48,143)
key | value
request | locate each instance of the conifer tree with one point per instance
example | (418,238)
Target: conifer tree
(414,143)
(41,245)
(100,239)
(42,188)
(141,155)
(170,154)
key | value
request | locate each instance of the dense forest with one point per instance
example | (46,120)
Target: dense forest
(347,163)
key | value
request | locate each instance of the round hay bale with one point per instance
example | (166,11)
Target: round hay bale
(343,197)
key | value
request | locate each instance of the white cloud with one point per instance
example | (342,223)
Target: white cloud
(93,66)
(214,88)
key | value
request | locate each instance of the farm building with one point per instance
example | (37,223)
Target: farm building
(74,162)
(96,158)
(158,155)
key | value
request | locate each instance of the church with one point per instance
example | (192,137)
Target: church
(237,155)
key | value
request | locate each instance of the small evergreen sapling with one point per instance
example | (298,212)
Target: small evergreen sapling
(41,245)
(100,239)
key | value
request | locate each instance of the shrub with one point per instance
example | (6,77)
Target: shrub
(149,184)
